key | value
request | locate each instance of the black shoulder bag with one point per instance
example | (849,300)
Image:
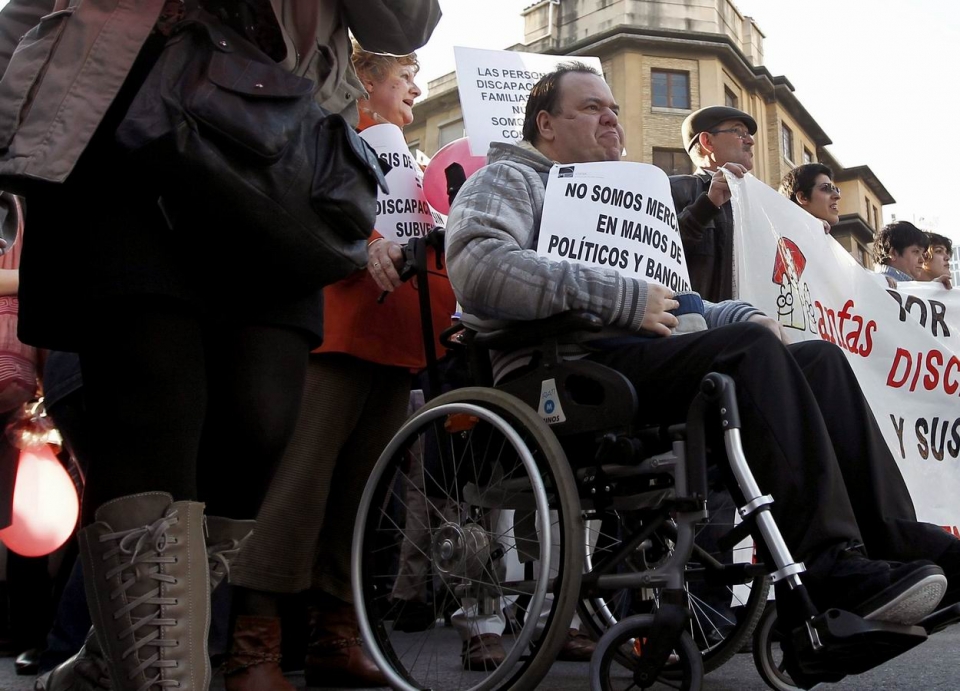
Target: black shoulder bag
(228,130)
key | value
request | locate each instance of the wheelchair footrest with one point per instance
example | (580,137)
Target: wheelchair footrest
(837,643)
(941,619)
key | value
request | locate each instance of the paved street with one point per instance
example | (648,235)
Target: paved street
(931,667)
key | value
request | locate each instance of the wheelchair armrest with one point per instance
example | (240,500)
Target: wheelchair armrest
(452,337)
(533,333)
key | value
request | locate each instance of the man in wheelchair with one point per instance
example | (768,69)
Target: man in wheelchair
(807,431)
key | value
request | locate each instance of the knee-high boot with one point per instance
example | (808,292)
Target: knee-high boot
(88,669)
(146,578)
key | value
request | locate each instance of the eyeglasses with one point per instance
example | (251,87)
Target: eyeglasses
(737,132)
(829,188)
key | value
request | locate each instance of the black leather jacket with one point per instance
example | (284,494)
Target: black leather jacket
(707,234)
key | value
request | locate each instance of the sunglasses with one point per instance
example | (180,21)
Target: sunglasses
(829,188)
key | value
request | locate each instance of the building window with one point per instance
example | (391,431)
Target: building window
(866,203)
(786,143)
(807,155)
(673,161)
(606,68)
(876,218)
(450,132)
(730,99)
(671,89)
(862,256)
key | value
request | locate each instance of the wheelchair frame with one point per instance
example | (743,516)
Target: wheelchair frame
(827,646)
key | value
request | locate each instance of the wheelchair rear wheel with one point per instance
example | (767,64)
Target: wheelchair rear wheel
(472,486)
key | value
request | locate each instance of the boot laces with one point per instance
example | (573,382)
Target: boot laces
(142,552)
(219,556)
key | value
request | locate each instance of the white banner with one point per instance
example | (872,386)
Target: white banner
(494,86)
(403,213)
(903,344)
(615,215)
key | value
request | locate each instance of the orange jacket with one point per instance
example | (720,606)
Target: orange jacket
(388,333)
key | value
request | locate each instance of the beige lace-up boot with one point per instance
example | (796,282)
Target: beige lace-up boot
(88,671)
(147,583)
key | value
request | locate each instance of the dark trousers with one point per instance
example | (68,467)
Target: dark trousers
(190,405)
(808,435)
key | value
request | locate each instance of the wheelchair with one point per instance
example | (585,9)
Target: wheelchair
(528,523)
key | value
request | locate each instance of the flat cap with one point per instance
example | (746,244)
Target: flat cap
(706,119)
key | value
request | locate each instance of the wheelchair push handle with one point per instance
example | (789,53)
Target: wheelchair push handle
(719,388)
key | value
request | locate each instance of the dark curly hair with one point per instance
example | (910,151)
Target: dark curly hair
(802,179)
(937,239)
(897,236)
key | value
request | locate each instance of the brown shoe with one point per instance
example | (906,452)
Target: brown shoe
(482,653)
(334,655)
(253,663)
(578,647)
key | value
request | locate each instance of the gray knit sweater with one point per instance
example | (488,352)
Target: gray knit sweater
(498,276)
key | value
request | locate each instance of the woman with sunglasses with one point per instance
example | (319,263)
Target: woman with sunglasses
(811,187)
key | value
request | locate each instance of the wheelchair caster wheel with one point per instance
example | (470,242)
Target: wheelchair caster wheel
(767,654)
(610,669)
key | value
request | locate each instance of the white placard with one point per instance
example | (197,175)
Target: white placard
(615,215)
(404,213)
(903,344)
(494,86)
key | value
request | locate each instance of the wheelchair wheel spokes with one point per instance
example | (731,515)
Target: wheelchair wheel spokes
(458,499)
(723,611)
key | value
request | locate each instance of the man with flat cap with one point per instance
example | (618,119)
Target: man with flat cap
(715,137)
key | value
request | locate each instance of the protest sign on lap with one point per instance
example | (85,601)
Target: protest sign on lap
(903,343)
(614,215)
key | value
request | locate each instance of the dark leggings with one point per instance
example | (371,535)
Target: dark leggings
(198,407)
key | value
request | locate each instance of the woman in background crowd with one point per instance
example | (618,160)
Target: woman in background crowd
(357,391)
(811,187)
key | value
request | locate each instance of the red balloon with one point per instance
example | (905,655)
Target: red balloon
(45,505)
(435,178)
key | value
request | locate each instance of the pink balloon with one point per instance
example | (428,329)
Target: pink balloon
(45,505)
(435,178)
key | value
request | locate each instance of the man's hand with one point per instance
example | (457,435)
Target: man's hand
(719,192)
(771,324)
(385,262)
(945,280)
(657,319)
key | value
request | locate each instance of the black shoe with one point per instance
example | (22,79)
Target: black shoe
(877,590)
(28,662)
